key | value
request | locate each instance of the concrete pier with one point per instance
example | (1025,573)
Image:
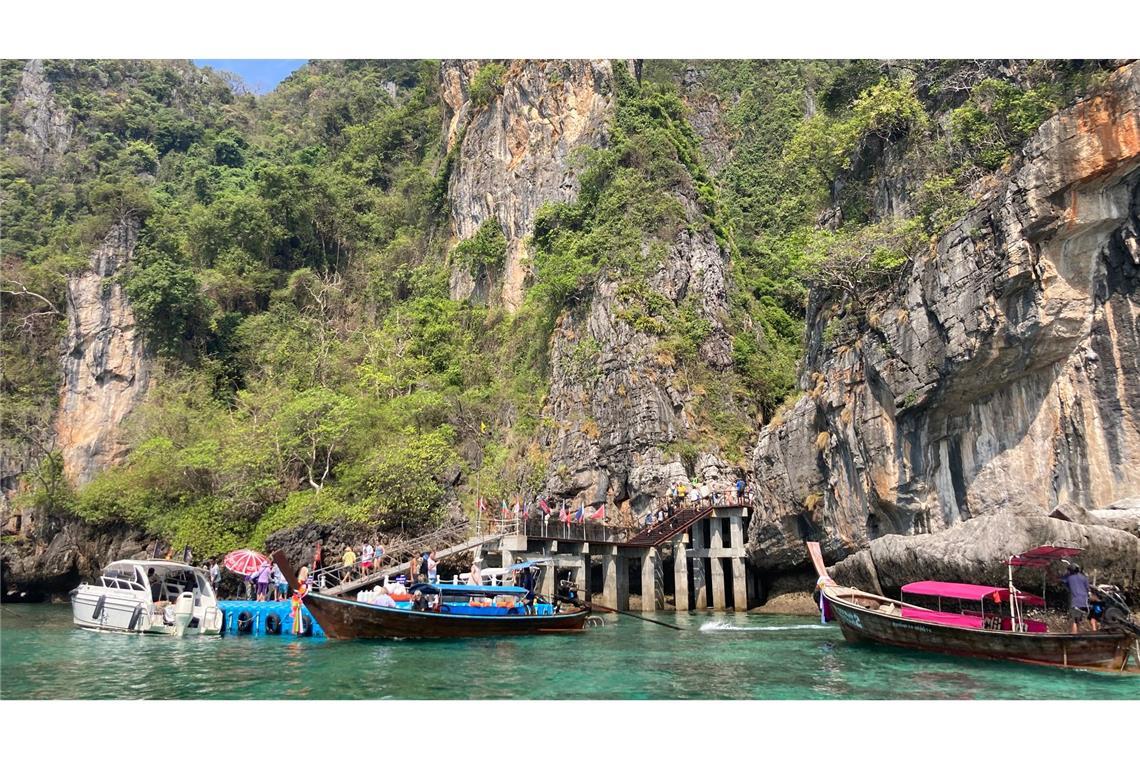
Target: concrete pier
(701,554)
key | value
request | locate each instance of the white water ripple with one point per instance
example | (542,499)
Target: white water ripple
(720,625)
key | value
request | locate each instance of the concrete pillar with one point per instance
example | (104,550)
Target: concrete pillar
(549,578)
(716,566)
(736,532)
(621,567)
(739,585)
(681,575)
(649,573)
(609,577)
(585,581)
(701,586)
(508,557)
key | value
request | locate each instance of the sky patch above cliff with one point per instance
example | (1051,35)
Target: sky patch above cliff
(261,75)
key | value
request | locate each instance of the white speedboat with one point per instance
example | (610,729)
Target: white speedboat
(148,596)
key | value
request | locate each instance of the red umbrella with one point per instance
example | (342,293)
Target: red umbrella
(244,561)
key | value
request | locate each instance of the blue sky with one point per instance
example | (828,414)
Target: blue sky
(261,75)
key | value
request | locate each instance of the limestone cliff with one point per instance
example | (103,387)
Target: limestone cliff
(998,375)
(616,399)
(104,369)
(47,128)
(515,153)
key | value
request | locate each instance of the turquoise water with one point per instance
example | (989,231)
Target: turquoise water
(717,656)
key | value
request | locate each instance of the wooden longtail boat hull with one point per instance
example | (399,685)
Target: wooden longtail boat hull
(1108,650)
(349,619)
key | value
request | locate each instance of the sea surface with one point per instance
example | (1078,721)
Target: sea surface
(716,656)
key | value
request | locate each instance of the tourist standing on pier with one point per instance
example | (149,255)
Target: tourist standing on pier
(366,553)
(263,582)
(432,568)
(280,587)
(349,561)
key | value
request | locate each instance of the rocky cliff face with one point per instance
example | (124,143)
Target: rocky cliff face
(55,554)
(47,128)
(514,154)
(104,368)
(1000,373)
(616,399)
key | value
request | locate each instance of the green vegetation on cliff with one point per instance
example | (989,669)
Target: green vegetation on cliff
(291,273)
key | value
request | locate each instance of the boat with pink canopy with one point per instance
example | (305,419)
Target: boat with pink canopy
(976,620)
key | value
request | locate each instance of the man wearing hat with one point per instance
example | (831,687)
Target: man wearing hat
(1078,585)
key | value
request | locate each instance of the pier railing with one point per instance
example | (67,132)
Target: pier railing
(549,526)
(393,556)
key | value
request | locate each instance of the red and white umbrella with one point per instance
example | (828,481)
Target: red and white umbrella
(244,561)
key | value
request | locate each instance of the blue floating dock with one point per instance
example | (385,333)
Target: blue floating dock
(259,612)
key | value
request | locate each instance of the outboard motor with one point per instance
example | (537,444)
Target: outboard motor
(1114,612)
(183,612)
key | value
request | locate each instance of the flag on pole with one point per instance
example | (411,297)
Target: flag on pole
(503,506)
(544,506)
(600,514)
(580,515)
(563,515)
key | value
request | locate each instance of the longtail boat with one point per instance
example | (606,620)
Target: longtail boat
(1001,631)
(452,611)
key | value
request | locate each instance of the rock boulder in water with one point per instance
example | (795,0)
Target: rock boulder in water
(973,552)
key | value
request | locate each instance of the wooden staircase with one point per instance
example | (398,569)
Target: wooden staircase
(404,567)
(659,533)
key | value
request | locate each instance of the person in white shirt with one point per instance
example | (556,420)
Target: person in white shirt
(382,599)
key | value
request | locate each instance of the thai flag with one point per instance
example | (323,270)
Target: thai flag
(580,515)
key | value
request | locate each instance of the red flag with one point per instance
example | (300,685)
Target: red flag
(600,514)
(563,515)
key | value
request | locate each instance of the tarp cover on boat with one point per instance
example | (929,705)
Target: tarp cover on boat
(464,589)
(1042,556)
(968,591)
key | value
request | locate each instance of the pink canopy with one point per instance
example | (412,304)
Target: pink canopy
(1042,556)
(968,591)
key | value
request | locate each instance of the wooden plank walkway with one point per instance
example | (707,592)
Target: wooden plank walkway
(404,567)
